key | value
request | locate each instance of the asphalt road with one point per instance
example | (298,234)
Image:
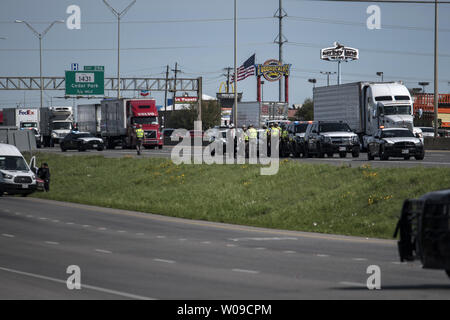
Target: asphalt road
(433,158)
(130,255)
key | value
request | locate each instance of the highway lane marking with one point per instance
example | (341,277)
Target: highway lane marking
(70,223)
(206,242)
(52,242)
(231,245)
(245,271)
(8,235)
(161,237)
(55,221)
(103,251)
(42,218)
(215,225)
(121,231)
(83,286)
(260,248)
(322,255)
(182,239)
(140,234)
(102,228)
(163,260)
(289,251)
(86,226)
(359,259)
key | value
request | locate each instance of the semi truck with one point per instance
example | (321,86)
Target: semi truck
(55,124)
(365,106)
(259,113)
(23,119)
(115,121)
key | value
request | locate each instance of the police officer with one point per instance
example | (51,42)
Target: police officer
(139,138)
(252,134)
(284,148)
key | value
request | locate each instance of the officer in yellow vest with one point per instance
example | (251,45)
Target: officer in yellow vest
(139,139)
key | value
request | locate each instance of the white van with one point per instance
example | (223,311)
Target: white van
(16,176)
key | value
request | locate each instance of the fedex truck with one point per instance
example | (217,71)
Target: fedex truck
(23,119)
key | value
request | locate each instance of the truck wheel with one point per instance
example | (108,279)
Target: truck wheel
(420,157)
(343,154)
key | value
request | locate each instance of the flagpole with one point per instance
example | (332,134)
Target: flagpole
(235,65)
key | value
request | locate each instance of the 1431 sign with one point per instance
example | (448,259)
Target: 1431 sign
(91,81)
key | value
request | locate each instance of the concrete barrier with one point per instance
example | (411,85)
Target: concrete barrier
(437,143)
(24,140)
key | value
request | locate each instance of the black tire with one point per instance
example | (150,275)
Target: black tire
(406,157)
(446,271)
(1,193)
(63,149)
(355,154)
(383,156)
(342,154)
(370,157)
(81,149)
(160,147)
(420,157)
(99,149)
(330,155)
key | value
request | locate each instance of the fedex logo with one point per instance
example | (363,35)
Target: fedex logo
(26,112)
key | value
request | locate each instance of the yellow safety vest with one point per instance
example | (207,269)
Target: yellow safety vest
(139,133)
(252,133)
(275,131)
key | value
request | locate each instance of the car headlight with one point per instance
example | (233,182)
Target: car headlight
(6,176)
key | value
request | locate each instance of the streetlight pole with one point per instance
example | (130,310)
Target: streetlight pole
(40,37)
(380,74)
(262,91)
(119,16)
(328,76)
(436,84)
(235,66)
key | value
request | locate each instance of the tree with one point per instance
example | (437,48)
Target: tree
(306,112)
(211,115)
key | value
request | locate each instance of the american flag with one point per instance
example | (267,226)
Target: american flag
(246,70)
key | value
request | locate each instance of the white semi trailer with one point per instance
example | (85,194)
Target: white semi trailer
(365,106)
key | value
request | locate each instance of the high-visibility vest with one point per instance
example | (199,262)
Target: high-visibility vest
(252,133)
(284,134)
(245,136)
(275,132)
(139,133)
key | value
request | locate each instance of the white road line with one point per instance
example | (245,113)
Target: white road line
(8,235)
(206,242)
(182,239)
(121,231)
(289,251)
(264,239)
(322,255)
(52,242)
(70,223)
(83,286)
(56,221)
(140,234)
(86,226)
(164,260)
(103,251)
(102,228)
(245,271)
(42,218)
(231,245)
(359,259)
(260,248)
(161,237)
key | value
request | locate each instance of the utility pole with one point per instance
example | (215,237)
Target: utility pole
(165,96)
(280,39)
(175,85)
(228,69)
(235,67)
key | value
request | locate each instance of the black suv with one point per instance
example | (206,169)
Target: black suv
(330,137)
(296,131)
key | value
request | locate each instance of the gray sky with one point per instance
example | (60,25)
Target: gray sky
(198,34)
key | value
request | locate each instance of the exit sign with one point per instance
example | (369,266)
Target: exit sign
(94,68)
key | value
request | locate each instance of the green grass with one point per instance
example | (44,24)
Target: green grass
(309,197)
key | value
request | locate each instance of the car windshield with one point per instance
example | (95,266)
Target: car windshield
(13,163)
(333,127)
(391,110)
(301,128)
(29,124)
(397,133)
(145,120)
(62,126)
(84,135)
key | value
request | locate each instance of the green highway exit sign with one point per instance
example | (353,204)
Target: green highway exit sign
(94,68)
(86,82)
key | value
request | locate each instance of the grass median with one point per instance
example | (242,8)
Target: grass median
(309,197)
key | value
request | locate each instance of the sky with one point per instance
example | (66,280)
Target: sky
(199,36)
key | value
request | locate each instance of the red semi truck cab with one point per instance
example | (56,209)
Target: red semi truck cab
(144,112)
